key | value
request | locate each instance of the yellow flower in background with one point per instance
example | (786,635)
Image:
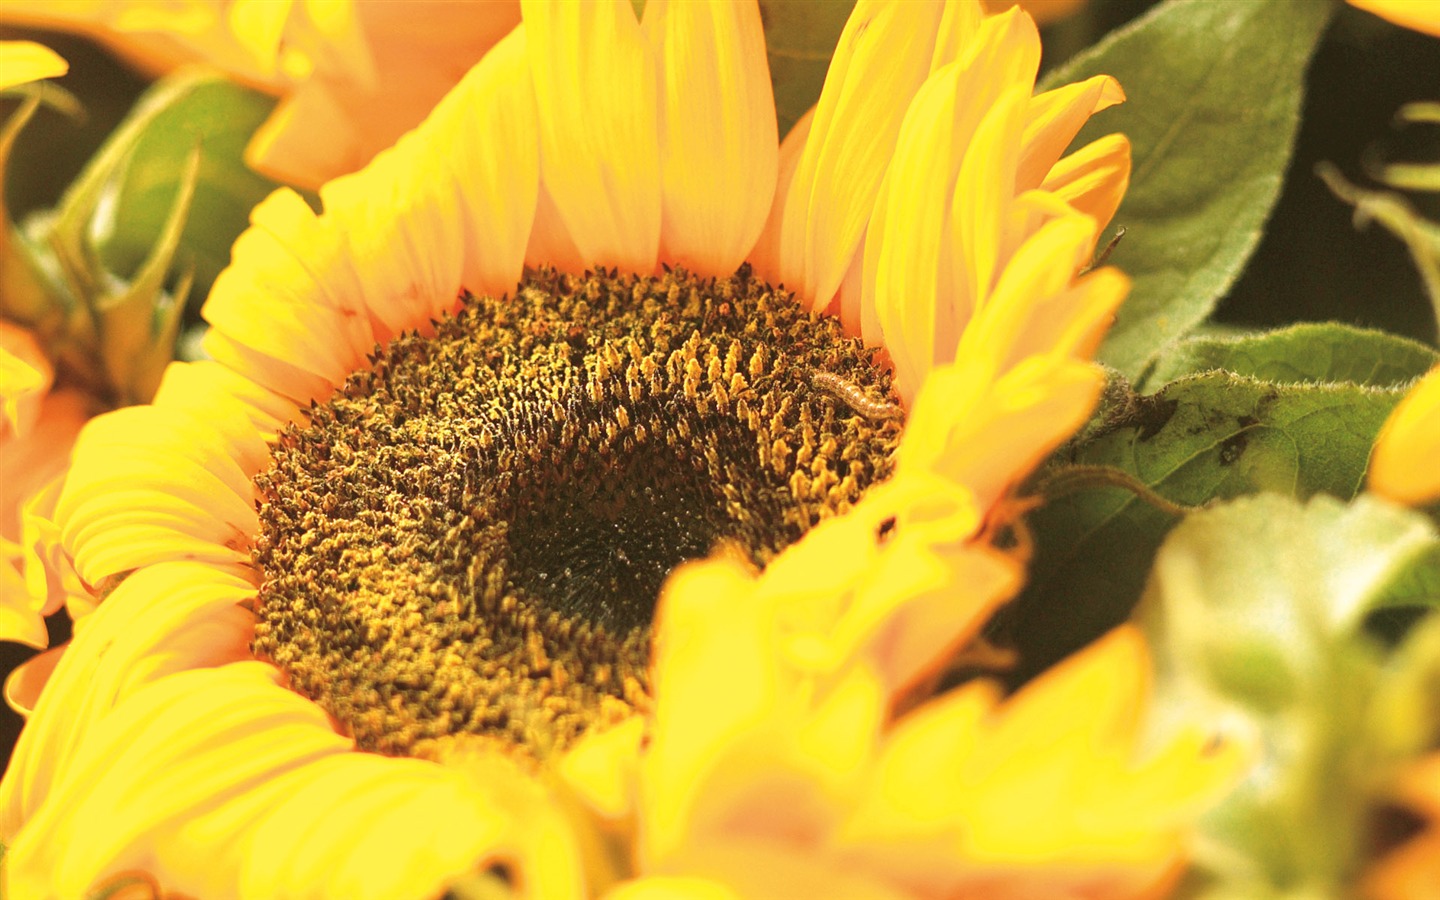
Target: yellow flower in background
(352,77)
(1402,466)
(1402,469)
(24,61)
(39,426)
(39,421)
(1412,871)
(449,548)
(1420,15)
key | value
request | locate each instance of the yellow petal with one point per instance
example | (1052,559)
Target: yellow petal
(1094,178)
(336,26)
(25,379)
(285,149)
(399,234)
(26,61)
(1420,15)
(1055,118)
(163,619)
(1036,796)
(904,246)
(1402,466)
(595,89)
(50,577)
(25,682)
(233,786)
(1411,871)
(600,768)
(20,620)
(35,572)
(258,26)
(1043,11)
(958,26)
(986,434)
(718,153)
(149,485)
(765,257)
(883,57)
(284,298)
(455,200)
(452,204)
(935,600)
(676,887)
(709,621)
(191,388)
(896,606)
(1032,310)
(760,868)
(983,196)
(550,241)
(499,179)
(338,114)
(934,244)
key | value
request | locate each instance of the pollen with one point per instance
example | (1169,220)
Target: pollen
(467,541)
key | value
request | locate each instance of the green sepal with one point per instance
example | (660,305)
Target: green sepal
(1255,614)
(25,294)
(139,323)
(150,218)
(1214,96)
(185,112)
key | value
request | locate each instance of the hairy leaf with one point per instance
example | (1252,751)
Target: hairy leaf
(1202,438)
(1313,353)
(1214,102)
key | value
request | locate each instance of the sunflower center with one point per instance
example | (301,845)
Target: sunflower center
(467,541)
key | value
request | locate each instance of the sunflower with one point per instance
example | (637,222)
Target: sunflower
(1402,469)
(352,77)
(458,428)
(39,421)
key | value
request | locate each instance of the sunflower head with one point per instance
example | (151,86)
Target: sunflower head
(465,428)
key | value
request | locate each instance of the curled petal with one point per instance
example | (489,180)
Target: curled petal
(150,484)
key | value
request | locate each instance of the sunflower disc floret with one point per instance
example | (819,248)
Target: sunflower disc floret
(469,537)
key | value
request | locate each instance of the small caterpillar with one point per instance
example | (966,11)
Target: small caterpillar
(853,396)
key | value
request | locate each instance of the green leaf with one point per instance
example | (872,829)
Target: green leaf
(1254,613)
(800,38)
(1202,438)
(1314,353)
(1214,103)
(181,114)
